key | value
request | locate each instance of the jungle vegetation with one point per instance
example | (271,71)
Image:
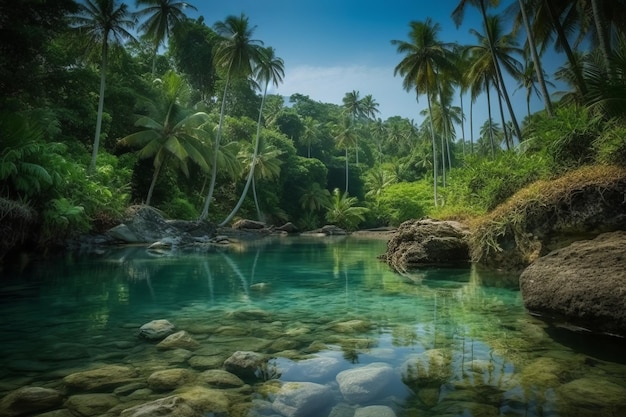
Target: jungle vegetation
(106,104)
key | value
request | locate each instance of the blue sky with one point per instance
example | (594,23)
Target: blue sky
(331,47)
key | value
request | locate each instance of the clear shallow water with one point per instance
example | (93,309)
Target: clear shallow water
(459,342)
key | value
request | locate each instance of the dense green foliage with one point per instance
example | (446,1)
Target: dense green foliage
(192,132)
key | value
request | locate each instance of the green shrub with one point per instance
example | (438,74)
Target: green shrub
(610,146)
(180,209)
(404,201)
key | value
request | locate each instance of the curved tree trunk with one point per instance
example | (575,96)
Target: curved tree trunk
(504,127)
(252,164)
(157,170)
(538,67)
(96,139)
(346,170)
(216,148)
(566,47)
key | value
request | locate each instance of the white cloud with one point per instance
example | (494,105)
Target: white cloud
(330,84)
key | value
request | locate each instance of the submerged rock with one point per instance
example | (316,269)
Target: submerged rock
(246,365)
(28,400)
(156,329)
(179,340)
(363,384)
(375,411)
(427,242)
(582,283)
(101,379)
(302,399)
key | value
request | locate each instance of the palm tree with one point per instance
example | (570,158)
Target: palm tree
(343,211)
(457,16)
(424,57)
(353,106)
(377,180)
(269,69)
(346,137)
(161,17)
(236,55)
(495,44)
(267,167)
(528,80)
(536,62)
(314,198)
(369,107)
(174,132)
(102,21)
(310,132)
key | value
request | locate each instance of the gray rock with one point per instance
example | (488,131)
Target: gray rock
(169,379)
(363,384)
(246,365)
(29,400)
(375,411)
(427,242)
(157,329)
(582,283)
(220,378)
(302,399)
(179,340)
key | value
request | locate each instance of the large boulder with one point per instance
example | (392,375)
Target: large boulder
(101,379)
(145,224)
(582,283)
(427,242)
(156,329)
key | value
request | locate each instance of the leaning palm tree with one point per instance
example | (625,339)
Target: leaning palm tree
(536,66)
(173,132)
(102,21)
(236,54)
(457,16)
(161,17)
(425,56)
(269,69)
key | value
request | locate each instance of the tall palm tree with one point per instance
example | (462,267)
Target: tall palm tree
(161,17)
(528,80)
(267,166)
(346,137)
(537,67)
(425,56)
(353,107)
(172,132)
(310,132)
(457,16)
(502,47)
(236,55)
(101,22)
(269,69)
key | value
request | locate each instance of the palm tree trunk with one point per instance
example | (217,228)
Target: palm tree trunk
(499,71)
(603,40)
(493,155)
(471,125)
(462,121)
(256,202)
(157,170)
(566,47)
(96,139)
(504,128)
(216,148)
(432,132)
(252,164)
(346,170)
(538,68)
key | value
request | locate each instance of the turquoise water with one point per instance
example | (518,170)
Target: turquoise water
(459,341)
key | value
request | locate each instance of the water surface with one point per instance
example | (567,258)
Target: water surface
(459,341)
